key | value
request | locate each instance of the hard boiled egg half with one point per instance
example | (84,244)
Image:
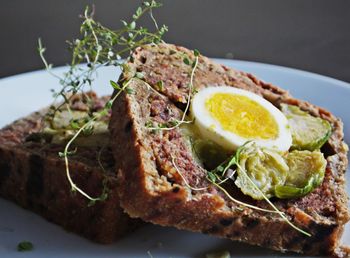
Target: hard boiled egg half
(231,117)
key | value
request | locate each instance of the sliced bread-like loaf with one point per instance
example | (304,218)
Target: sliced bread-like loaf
(33,175)
(151,187)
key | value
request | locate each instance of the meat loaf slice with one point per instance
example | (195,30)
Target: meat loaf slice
(33,176)
(152,189)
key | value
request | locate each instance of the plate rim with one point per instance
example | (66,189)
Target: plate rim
(282,68)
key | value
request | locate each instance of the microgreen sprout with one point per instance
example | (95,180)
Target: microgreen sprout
(105,189)
(283,216)
(174,123)
(212,177)
(184,179)
(66,151)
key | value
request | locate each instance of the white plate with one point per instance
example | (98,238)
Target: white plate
(22,94)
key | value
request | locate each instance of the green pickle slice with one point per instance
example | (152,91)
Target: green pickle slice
(306,172)
(308,132)
(264,167)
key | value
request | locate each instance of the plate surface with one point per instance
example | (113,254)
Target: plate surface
(22,94)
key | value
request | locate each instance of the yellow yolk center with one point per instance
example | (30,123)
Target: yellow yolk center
(242,116)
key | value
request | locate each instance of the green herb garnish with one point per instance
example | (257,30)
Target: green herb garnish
(65,154)
(25,246)
(98,46)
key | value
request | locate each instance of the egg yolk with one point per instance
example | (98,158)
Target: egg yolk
(242,116)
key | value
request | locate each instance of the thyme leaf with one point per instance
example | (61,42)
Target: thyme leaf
(25,246)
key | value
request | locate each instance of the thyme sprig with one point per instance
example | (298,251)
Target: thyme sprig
(98,46)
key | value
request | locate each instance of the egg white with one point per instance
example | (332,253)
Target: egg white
(210,128)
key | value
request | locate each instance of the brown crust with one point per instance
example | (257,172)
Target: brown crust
(149,188)
(33,176)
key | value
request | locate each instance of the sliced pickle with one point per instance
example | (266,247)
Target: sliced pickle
(266,168)
(306,172)
(308,132)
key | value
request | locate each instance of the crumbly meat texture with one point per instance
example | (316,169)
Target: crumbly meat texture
(33,176)
(152,189)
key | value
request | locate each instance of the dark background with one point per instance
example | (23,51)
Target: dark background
(313,35)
